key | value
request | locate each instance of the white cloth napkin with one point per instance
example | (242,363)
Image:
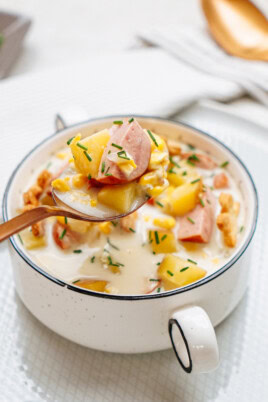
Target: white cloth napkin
(194,46)
(145,81)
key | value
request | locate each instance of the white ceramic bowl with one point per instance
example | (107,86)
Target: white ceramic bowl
(134,324)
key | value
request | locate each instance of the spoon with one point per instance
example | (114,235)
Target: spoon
(41,212)
(239,27)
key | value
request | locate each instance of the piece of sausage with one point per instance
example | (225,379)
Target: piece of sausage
(129,137)
(199,160)
(197,225)
(220,181)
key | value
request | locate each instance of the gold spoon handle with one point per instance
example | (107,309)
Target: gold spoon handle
(28,218)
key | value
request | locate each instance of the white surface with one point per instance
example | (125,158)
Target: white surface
(37,365)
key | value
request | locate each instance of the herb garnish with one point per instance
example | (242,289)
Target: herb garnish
(63,234)
(193,157)
(202,202)
(156,237)
(184,269)
(114,223)
(224,164)
(77,251)
(190,162)
(152,137)
(191,146)
(81,146)
(158,290)
(69,141)
(116,146)
(65,220)
(102,167)
(89,177)
(119,122)
(171,171)
(88,156)
(160,204)
(190,220)
(184,173)
(78,280)
(174,162)
(123,155)
(158,263)
(131,120)
(154,280)
(195,181)
(132,230)
(241,229)
(112,245)
(164,237)
(170,273)
(92,259)
(192,261)
(19,236)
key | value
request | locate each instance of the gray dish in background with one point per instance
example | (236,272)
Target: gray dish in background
(13,28)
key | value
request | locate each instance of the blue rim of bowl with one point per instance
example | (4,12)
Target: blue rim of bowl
(187,288)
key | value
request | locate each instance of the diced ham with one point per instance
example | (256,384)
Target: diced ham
(132,138)
(197,225)
(69,238)
(199,160)
(220,181)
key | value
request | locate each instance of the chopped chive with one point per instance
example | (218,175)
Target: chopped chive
(152,137)
(190,220)
(112,245)
(116,146)
(202,202)
(81,146)
(69,141)
(156,237)
(211,188)
(190,162)
(88,156)
(154,280)
(224,164)
(173,162)
(114,223)
(123,155)
(160,204)
(195,181)
(158,263)
(65,220)
(164,237)
(208,201)
(77,251)
(48,165)
(19,236)
(241,229)
(132,230)
(158,290)
(191,146)
(171,171)
(193,157)
(150,235)
(92,259)
(89,177)
(120,265)
(154,252)
(107,174)
(184,173)
(192,261)
(184,269)
(63,234)
(102,167)
(119,122)
(78,280)
(131,120)
(170,273)
(109,151)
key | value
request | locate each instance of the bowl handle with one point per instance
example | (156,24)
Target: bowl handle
(193,340)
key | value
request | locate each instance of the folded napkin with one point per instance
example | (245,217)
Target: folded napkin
(145,81)
(194,46)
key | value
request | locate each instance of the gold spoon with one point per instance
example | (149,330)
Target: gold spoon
(39,213)
(239,27)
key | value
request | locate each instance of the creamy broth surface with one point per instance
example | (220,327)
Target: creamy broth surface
(138,265)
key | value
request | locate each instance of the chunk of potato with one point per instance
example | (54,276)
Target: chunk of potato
(32,242)
(97,286)
(95,145)
(176,272)
(118,197)
(162,241)
(184,198)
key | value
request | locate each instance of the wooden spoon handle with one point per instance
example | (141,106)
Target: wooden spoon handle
(26,219)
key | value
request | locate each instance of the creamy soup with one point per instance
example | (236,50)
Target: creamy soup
(183,233)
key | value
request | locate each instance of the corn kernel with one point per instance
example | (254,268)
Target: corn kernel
(166,223)
(154,192)
(61,155)
(105,227)
(93,202)
(71,160)
(61,184)
(147,218)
